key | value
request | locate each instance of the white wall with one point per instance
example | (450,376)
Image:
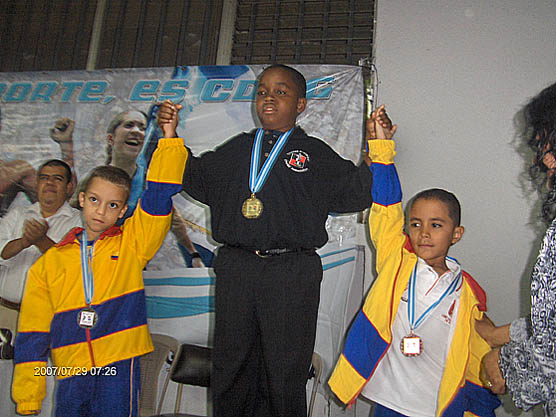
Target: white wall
(454,74)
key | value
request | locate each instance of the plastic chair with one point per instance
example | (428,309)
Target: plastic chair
(151,365)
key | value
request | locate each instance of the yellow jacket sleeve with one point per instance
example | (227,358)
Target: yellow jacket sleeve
(32,342)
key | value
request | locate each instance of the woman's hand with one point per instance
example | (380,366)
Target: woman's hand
(491,375)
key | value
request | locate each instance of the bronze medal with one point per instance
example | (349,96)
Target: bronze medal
(87,318)
(411,345)
(252,207)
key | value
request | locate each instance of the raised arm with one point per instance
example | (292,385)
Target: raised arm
(62,134)
(151,220)
(378,126)
(167,120)
(386,219)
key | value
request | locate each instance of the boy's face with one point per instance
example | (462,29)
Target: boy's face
(277,101)
(432,231)
(103,204)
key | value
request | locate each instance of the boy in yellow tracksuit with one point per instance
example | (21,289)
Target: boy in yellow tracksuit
(413,348)
(84,301)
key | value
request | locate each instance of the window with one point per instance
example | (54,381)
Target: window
(303,31)
(56,34)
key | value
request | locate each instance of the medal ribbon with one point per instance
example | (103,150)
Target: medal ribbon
(414,323)
(86,271)
(256,181)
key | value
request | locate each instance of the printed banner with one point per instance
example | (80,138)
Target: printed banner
(91,118)
(79,116)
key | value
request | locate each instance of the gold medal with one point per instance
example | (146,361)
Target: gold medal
(252,207)
(411,345)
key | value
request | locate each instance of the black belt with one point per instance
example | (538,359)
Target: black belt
(267,253)
(9,304)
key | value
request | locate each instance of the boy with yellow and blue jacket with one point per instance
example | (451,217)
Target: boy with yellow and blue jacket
(395,354)
(84,301)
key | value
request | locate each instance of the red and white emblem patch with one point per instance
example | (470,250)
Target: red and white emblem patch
(297,161)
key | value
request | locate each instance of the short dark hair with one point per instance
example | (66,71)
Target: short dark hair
(446,197)
(298,78)
(57,163)
(111,174)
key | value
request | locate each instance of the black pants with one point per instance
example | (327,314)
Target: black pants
(266,315)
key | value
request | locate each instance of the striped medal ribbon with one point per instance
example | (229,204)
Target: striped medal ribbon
(252,207)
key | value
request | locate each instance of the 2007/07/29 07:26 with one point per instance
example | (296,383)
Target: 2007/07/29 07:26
(67,371)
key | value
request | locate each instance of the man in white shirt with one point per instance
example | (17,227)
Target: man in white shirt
(28,232)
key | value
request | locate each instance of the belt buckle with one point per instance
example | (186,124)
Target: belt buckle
(260,255)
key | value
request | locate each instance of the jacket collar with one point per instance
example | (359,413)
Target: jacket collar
(71,236)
